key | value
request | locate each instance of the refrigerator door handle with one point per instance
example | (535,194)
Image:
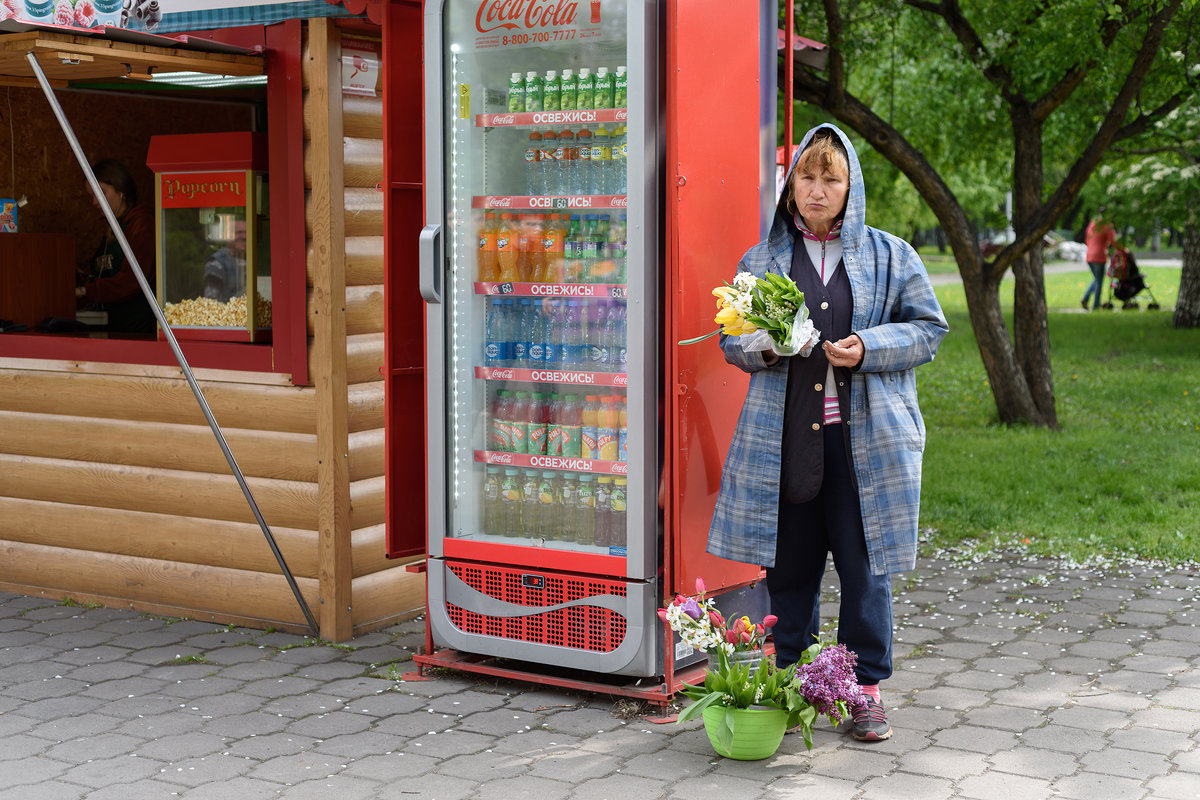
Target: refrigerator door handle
(431,261)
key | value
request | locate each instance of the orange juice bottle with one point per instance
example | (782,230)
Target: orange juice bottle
(506,250)
(591,419)
(529,246)
(607,435)
(487,248)
(537,250)
(552,251)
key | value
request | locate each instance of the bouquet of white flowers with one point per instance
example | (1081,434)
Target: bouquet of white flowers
(768,313)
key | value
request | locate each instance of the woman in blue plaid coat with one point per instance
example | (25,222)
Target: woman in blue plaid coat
(826,457)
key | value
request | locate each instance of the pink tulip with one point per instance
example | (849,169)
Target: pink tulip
(769,620)
(716,619)
(700,589)
(731,637)
(662,614)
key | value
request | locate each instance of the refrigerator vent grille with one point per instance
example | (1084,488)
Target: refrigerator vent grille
(580,627)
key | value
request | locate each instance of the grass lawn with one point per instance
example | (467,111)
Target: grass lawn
(1120,476)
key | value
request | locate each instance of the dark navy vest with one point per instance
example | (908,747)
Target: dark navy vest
(803,451)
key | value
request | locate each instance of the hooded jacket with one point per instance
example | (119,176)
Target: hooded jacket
(897,316)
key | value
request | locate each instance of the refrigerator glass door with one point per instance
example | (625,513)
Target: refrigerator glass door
(542,407)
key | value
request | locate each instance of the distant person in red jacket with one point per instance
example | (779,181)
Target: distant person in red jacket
(107,280)
(1100,237)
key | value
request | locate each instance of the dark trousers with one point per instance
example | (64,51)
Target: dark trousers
(830,522)
(1097,284)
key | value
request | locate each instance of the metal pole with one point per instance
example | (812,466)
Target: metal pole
(789,66)
(170,335)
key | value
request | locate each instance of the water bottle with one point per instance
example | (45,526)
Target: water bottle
(549,162)
(495,336)
(534,180)
(617,248)
(602,161)
(531,504)
(571,337)
(552,355)
(619,361)
(567,156)
(512,330)
(595,336)
(583,167)
(510,503)
(585,510)
(536,355)
(620,157)
(523,333)
(608,339)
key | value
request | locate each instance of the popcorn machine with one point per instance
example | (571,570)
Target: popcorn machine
(212,233)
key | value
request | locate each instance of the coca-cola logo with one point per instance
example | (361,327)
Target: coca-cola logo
(621,380)
(620,202)
(622,114)
(494,15)
(503,119)
(620,469)
(501,458)
(502,374)
(499,202)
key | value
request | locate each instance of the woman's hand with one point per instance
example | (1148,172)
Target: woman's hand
(847,352)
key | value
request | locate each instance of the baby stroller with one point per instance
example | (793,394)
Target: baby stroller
(1125,281)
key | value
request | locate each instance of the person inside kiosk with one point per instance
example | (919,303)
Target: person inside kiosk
(107,282)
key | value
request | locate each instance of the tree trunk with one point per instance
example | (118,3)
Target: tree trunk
(1030,326)
(1187,305)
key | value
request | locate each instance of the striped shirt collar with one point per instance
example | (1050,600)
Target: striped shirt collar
(834,233)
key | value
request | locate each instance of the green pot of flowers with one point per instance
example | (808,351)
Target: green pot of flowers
(748,706)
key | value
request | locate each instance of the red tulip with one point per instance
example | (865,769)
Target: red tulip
(731,637)
(716,619)
(662,614)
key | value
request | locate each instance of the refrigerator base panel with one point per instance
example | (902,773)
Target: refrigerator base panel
(659,694)
(586,622)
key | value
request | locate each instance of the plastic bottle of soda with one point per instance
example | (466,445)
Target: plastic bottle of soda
(554,427)
(570,429)
(510,503)
(516,94)
(595,337)
(531,504)
(565,502)
(548,511)
(491,501)
(551,91)
(537,248)
(533,91)
(495,336)
(585,510)
(591,418)
(552,252)
(602,160)
(603,96)
(619,354)
(583,167)
(519,421)
(568,89)
(607,435)
(602,534)
(550,155)
(586,91)
(553,314)
(572,253)
(569,158)
(538,428)
(621,160)
(622,431)
(506,250)
(502,432)
(488,268)
(522,326)
(621,88)
(616,248)
(618,504)
(529,246)
(534,179)
(589,248)
(611,337)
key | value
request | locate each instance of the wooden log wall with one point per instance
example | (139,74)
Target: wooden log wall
(113,489)
(344,173)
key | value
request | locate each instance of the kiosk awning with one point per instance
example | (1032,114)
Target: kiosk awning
(67,56)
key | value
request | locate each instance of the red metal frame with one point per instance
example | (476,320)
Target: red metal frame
(288,353)
(404,215)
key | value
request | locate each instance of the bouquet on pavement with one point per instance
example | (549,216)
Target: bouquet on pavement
(766,313)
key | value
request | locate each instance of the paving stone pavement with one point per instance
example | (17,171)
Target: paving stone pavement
(1016,678)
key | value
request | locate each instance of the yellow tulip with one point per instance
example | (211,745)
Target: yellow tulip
(724,294)
(728,315)
(748,326)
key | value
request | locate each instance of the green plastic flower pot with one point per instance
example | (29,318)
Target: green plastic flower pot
(757,732)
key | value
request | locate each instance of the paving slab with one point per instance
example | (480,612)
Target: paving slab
(1016,677)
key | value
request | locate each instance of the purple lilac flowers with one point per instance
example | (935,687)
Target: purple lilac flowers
(830,678)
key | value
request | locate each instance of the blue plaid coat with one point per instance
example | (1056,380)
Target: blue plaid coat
(901,325)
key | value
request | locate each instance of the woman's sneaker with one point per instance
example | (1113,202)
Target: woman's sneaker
(870,721)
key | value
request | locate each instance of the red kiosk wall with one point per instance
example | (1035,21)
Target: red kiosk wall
(712,206)
(404,214)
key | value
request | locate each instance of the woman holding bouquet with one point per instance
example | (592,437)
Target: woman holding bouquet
(827,452)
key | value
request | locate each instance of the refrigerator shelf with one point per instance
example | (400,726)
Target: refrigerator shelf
(565,291)
(565,463)
(561,376)
(575,116)
(535,202)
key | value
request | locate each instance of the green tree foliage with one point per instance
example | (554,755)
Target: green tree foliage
(972,101)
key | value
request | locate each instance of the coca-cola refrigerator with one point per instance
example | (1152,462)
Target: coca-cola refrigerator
(593,169)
